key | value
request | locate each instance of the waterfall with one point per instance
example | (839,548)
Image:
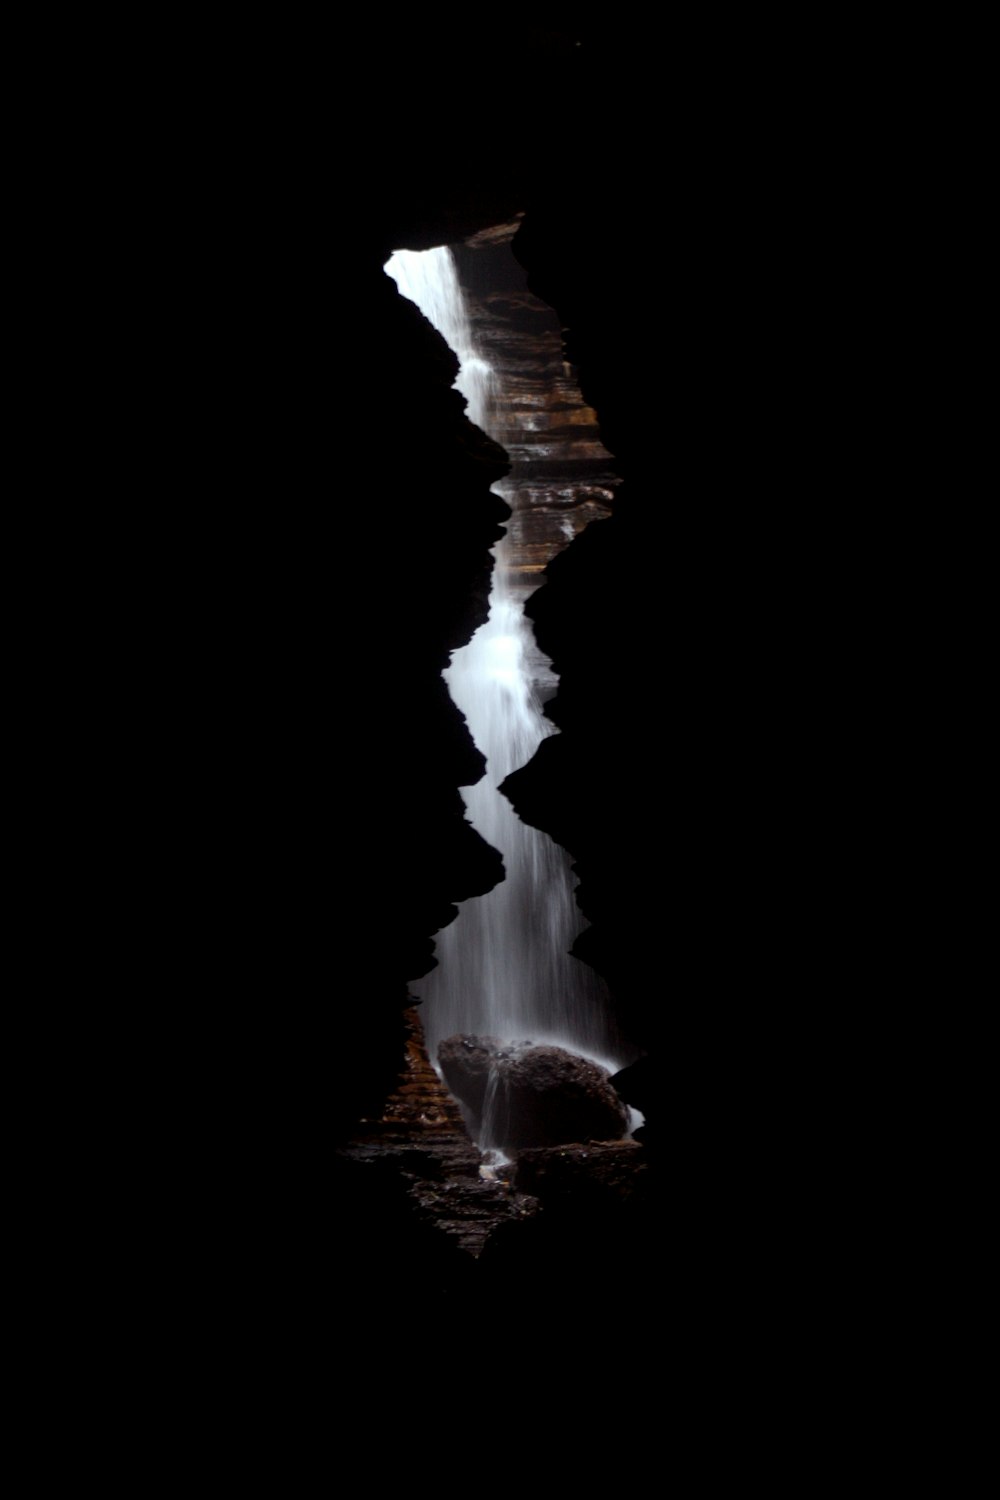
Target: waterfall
(504,967)
(429,278)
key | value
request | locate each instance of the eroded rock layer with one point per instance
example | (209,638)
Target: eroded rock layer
(561,474)
(421,1140)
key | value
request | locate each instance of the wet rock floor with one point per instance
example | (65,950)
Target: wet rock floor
(421,1133)
(422,1138)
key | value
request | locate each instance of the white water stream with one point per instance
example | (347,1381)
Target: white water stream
(504,967)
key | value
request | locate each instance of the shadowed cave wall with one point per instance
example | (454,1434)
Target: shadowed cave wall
(649,777)
(327,512)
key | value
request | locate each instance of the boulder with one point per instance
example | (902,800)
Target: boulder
(519,1094)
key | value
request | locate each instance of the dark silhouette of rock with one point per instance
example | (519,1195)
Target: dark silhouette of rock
(585,1176)
(522,1095)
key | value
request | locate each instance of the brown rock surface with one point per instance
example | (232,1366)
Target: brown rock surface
(562,475)
(421,1135)
(523,1095)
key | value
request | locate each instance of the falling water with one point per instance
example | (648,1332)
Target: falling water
(429,278)
(504,967)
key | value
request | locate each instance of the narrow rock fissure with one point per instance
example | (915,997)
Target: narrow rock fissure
(521,1031)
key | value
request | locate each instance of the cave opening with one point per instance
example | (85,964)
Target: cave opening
(508,996)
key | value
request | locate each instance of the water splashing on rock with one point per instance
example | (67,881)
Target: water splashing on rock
(504,966)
